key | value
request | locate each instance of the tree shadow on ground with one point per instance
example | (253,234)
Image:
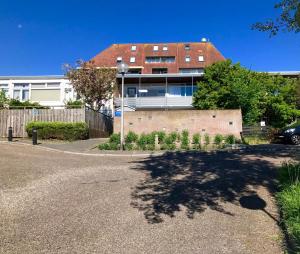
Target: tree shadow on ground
(199,180)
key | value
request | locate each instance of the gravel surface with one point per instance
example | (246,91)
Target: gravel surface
(52,202)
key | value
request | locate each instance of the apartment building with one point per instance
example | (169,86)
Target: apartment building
(161,75)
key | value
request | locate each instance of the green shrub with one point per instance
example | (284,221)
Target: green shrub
(289,199)
(109,146)
(185,140)
(161,135)
(197,141)
(218,139)
(129,146)
(166,146)
(206,139)
(150,147)
(74,104)
(143,141)
(16,104)
(131,137)
(230,139)
(58,130)
(115,138)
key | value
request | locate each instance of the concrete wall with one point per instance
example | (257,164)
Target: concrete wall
(196,121)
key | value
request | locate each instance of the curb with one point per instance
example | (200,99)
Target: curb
(81,153)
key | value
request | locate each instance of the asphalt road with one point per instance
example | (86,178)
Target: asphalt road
(52,202)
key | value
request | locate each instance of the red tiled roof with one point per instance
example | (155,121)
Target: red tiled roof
(108,57)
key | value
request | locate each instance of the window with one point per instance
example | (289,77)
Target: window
(160,59)
(165,48)
(132,59)
(134,71)
(187,59)
(191,70)
(201,58)
(131,91)
(38,85)
(155,48)
(159,70)
(133,48)
(119,59)
(21,92)
(187,47)
(4,88)
(53,85)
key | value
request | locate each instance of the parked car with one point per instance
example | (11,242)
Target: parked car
(290,135)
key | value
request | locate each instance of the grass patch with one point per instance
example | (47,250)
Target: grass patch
(255,140)
(289,200)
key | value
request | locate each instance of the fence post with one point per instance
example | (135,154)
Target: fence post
(10,134)
(34,136)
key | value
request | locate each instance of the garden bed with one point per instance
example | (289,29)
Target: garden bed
(159,140)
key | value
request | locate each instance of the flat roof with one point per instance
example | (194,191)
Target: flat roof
(33,77)
(285,73)
(165,75)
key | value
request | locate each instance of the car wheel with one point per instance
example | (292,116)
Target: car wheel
(295,139)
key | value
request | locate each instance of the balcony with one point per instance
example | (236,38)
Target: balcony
(156,102)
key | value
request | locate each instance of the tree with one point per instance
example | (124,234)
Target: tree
(289,19)
(260,96)
(3,99)
(94,84)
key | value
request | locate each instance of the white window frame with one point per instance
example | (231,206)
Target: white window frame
(119,59)
(155,48)
(201,58)
(21,89)
(165,48)
(187,59)
(133,48)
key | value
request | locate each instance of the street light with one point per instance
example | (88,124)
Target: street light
(122,69)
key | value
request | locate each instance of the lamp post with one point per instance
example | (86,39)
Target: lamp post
(122,69)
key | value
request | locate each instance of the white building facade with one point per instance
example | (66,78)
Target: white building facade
(52,91)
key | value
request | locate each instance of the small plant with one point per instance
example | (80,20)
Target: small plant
(230,139)
(206,139)
(168,146)
(131,137)
(197,141)
(185,140)
(142,141)
(115,138)
(129,146)
(218,140)
(74,104)
(161,135)
(109,146)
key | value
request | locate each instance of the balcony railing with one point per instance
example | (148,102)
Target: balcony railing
(156,102)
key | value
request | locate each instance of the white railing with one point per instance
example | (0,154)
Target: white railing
(156,102)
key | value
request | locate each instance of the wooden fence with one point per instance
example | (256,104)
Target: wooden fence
(99,124)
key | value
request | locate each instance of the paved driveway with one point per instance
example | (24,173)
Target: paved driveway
(52,202)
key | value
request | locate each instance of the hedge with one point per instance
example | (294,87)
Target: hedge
(59,130)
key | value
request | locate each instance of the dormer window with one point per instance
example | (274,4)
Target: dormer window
(119,59)
(155,48)
(187,47)
(133,48)
(201,58)
(187,59)
(165,48)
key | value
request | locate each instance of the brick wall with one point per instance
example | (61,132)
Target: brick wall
(196,121)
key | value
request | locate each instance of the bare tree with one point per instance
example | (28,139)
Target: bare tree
(93,83)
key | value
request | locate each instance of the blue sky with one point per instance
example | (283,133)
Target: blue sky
(37,37)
